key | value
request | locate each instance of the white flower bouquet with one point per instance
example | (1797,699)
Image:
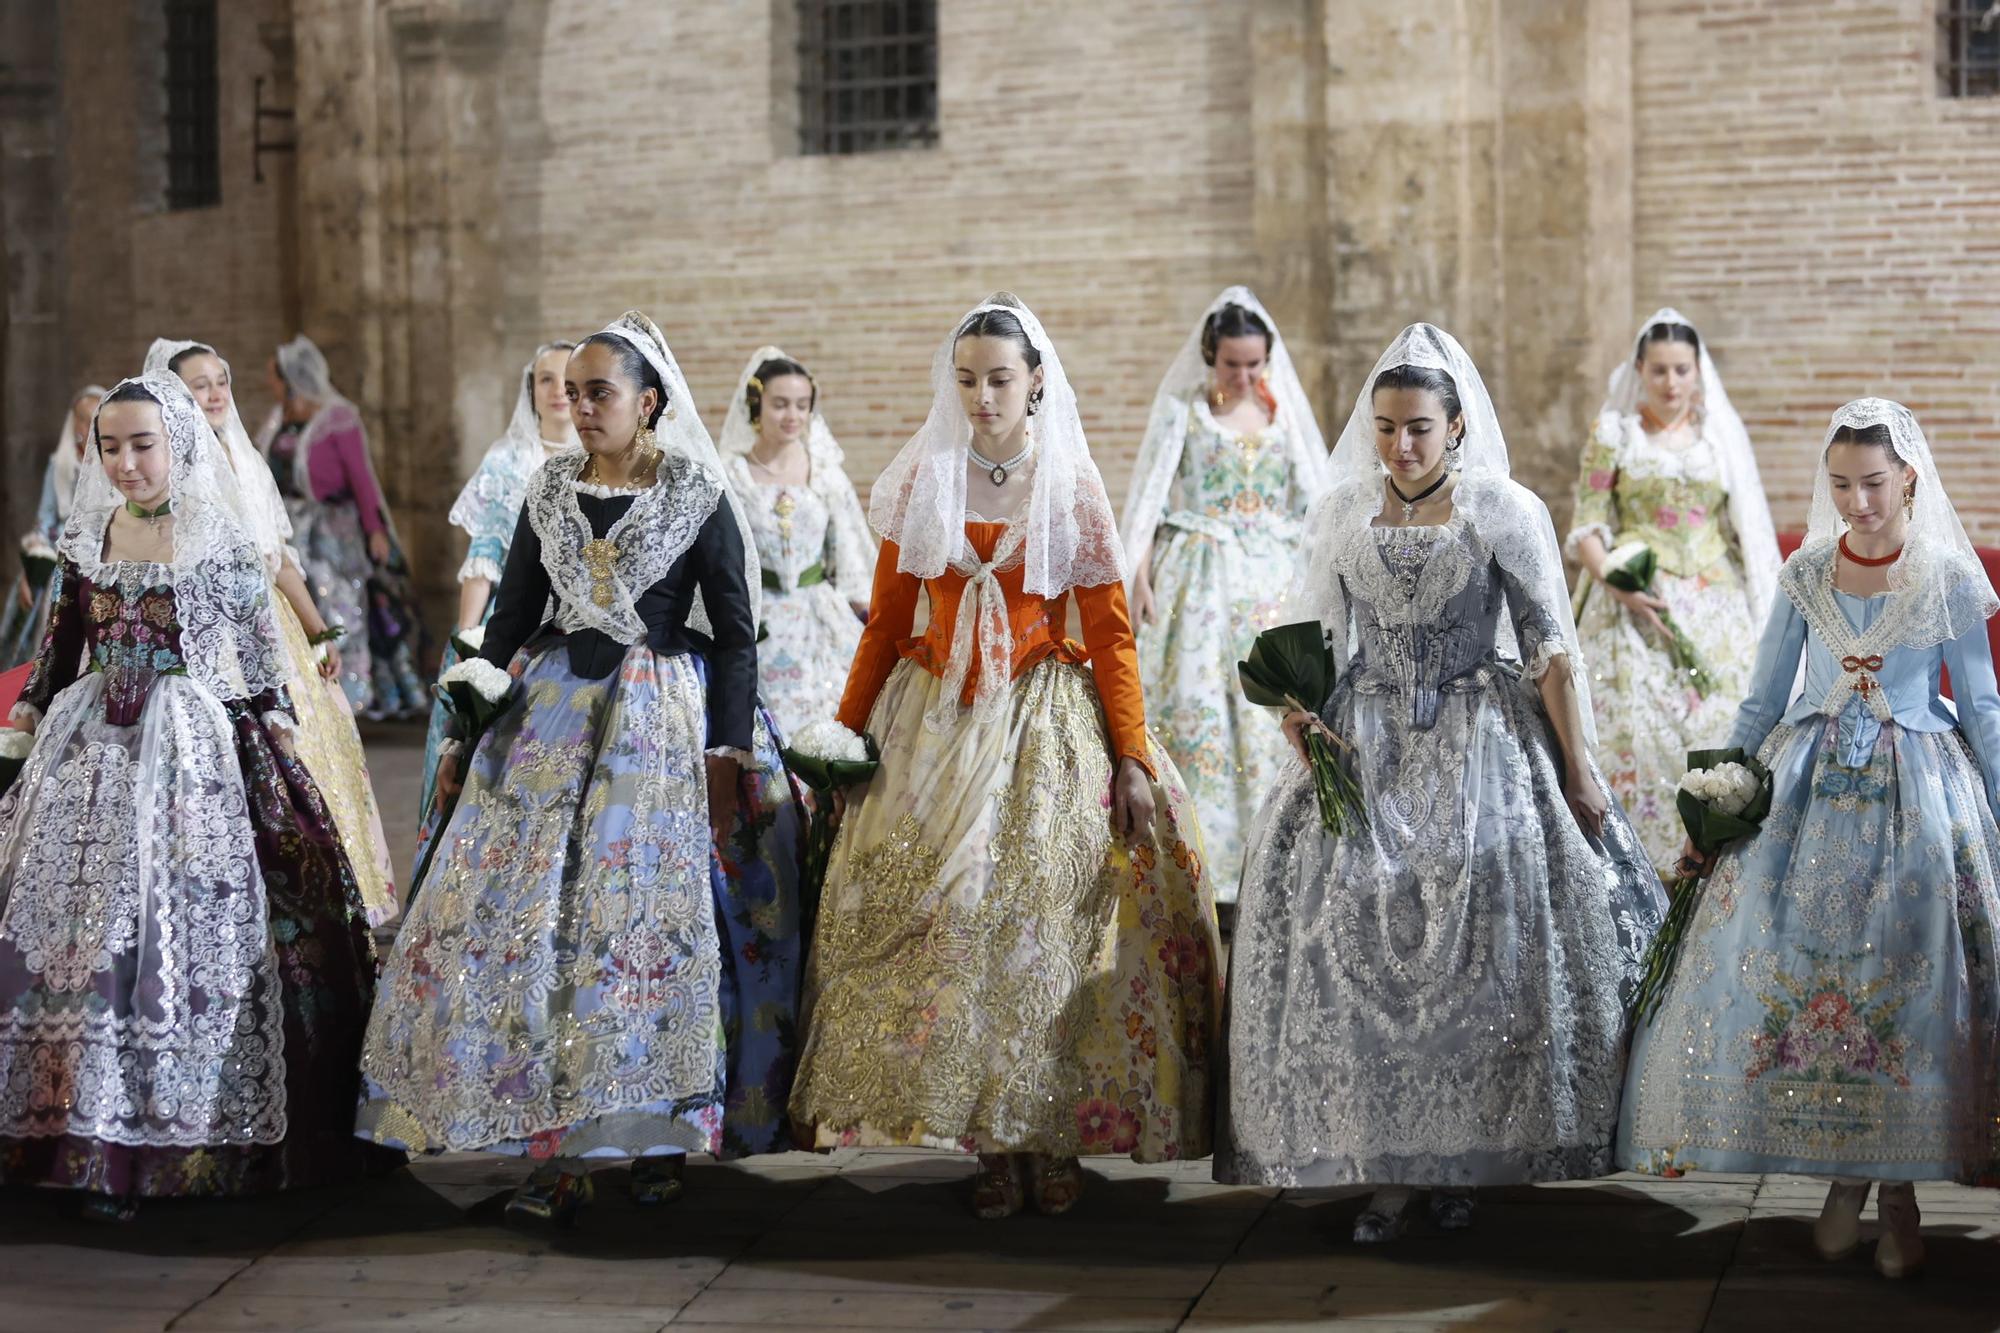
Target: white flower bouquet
(1631,568)
(468,642)
(1723,797)
(14,749)
(827,757)
(38,560)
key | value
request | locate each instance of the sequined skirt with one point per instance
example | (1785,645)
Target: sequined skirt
(1439,999)
(582,973)
(993,971)
(1836,1008)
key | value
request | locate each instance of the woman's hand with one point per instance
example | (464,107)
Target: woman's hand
(1692,861)
(329,660)
(447,780)
(25,593)
(1586,799)
(378,547)
(724,775)
(1131,801)
(1142,598)
(1643,608)
(1296,724)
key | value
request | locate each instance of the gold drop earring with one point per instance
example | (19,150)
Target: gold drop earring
(1909,503)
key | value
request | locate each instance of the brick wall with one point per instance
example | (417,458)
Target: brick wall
(1804,194)
(136,271)
(1093,159)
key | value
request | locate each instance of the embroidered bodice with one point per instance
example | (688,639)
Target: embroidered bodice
(1233,478)
(1426,605)
(1634,489)
(792,528)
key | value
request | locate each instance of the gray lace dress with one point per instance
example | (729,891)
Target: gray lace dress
(1440,999)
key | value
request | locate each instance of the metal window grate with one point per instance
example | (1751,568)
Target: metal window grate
(194,148)
(867,75)
(1968,48)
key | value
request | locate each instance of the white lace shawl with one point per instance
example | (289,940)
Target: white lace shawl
(1722,428)
(1511,520)
(222,591)
(1166,428)
(599,586)
(853,544)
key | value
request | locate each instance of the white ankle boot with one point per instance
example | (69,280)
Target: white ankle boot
(1900,1252)
(1838,1230)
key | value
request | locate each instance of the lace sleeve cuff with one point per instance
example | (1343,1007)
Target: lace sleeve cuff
(479,567)
(743,757)
(1571,543)
(24,711)
(278,721)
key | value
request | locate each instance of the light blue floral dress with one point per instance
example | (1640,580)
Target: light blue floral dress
(1836,1006)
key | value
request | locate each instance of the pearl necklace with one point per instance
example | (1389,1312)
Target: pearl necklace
(999,471)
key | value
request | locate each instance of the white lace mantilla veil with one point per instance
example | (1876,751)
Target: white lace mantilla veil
(254,494)
(1749,511)
(680,431)
(1066,536)
(1166,427)
(853,543)
(64,457)
(486,494)
(1510,519)
(1938,589)
(229,639)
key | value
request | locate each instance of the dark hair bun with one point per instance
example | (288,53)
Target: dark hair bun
(1231,321)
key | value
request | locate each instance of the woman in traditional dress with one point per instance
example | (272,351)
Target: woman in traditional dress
(1231,462)
(812,538)
(27,613)
(318,452)
(602,960)
(327,741)
(487,511)
(1835,1009)
(1438,999)
(1016,951)
(1668,465)
(184,965)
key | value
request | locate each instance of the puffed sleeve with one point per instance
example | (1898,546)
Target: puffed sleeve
(1114,660)
(892,611)
(1595,513)
(1969,658)
(61,657)
(1771,679)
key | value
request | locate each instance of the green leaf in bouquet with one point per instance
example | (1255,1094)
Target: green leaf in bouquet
(37,569)
(824,774)
(1633,573)
(1289,666)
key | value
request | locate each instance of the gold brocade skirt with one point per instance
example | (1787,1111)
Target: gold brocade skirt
(993,971)
(329,745)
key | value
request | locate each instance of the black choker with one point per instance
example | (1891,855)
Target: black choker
(1410,502)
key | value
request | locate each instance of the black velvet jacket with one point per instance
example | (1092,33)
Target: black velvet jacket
(713,564)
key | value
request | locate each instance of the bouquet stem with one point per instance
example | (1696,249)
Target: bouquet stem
(1686,659)
(1665,950)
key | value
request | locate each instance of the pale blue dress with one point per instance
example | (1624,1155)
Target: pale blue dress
(1836,1006)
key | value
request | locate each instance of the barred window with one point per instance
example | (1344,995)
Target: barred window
(1969,48)
(867,75)
(193,140)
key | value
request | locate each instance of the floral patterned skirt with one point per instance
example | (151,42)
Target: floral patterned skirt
(329,746)
(1214,589)
(1647,716)
(992,970)
(1836,1008)
(184,958)
(802,664)
(583,972)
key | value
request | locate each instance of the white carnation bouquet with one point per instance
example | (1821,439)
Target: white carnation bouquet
(38,560)
(468,642)
(14,748)
(828,758)
(1723,798)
